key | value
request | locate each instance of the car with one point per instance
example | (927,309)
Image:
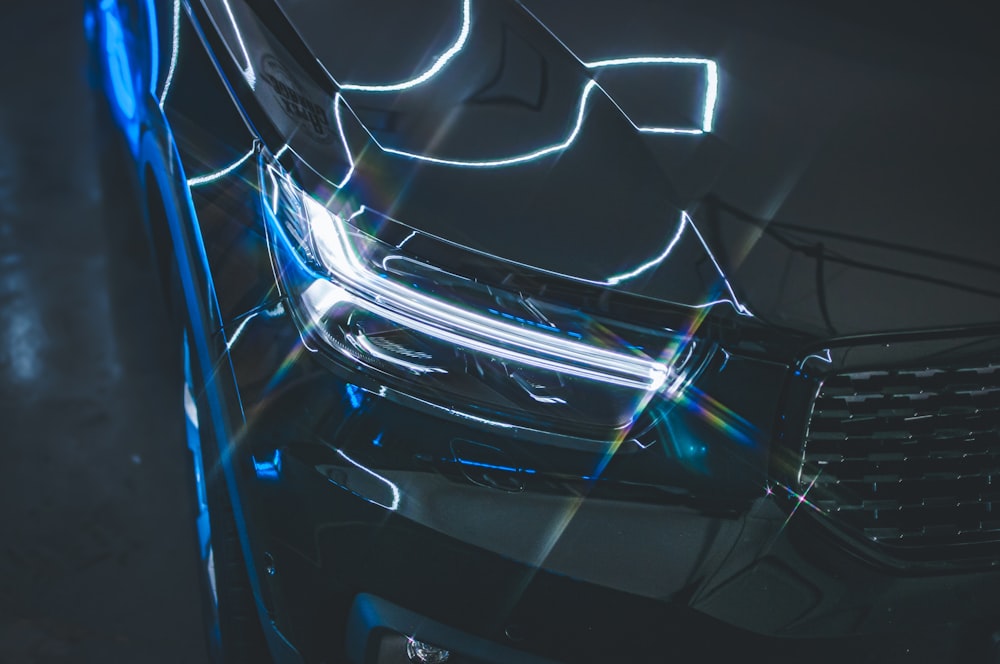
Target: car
(479,369)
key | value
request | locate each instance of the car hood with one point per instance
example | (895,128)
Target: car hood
(819,200)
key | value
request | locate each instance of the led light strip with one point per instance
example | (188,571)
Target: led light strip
(455,325)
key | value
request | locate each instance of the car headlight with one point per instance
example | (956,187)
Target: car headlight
(366,293)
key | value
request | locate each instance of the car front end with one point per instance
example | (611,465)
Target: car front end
(479,390)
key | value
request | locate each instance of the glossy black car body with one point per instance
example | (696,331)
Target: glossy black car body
(820,481)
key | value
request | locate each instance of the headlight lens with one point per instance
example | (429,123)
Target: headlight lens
(397,322)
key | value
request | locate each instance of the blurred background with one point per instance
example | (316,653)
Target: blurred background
(98,561)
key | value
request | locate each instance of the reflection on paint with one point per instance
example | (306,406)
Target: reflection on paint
(116,56)
(268,469)
(211,177)
(202,521)
(239,330)
(365,345)
(438,65)
(822,356)
(174,52)
(485,163)
(685,222)
(711,87)
(710,67)
(618,278)
(247,70)
(355,395)
(394,503)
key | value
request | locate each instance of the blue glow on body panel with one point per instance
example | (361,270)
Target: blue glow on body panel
(492,466)
(117,59)
(268,469)
(153,46)
(202,522)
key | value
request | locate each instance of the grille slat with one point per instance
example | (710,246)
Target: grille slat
(908,459)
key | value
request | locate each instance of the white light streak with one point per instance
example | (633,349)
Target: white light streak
(248,72)
(438,65)
(175,46)
(711,87)
(383,392)
(489,163)
(343,140)
(685,222)
(190,408)
(822,357)
(740,308)
(708,108)
(708,112)
(209,177)
(239,330)
(515,159)
(711,95)
(405,240)
(618,278)
(667,130)
(275,191)
(392,486)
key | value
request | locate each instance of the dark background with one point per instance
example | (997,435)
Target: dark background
(97,548)
(98,561)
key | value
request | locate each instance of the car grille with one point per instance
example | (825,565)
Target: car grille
(909,460)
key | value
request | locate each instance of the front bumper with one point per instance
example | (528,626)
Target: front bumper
(353,494)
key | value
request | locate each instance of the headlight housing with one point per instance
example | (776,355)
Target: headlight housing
(366,295)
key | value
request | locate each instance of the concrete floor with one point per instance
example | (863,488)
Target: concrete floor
(97,547)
